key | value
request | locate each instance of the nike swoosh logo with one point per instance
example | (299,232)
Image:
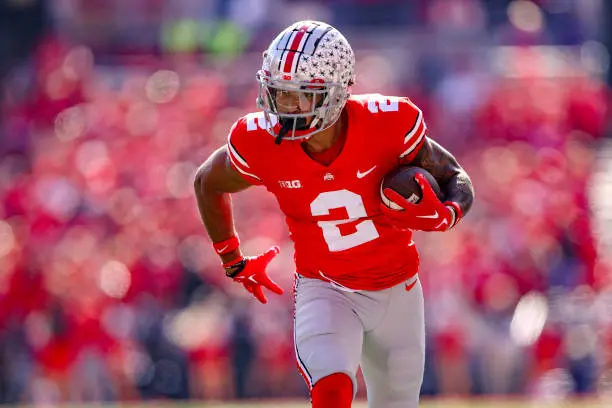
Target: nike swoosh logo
(434,215)
(444,221)
(410,286)
(222,249)
(252,279)
(365,173)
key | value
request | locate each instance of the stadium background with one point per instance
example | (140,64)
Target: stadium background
(109,288)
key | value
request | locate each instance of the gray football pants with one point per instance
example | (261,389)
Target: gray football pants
(336,330)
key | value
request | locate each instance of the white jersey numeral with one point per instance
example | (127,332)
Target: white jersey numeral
(353,203)
(257,120)
(389,104)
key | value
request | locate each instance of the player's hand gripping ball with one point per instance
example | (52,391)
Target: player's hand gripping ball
(412,199)
(402,181)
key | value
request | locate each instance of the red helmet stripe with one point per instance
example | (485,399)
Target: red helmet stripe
(295,46)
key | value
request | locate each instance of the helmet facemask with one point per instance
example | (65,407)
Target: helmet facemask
(296,110)
(313,64)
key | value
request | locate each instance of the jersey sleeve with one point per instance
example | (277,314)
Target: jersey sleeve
(242,153)
(414,130)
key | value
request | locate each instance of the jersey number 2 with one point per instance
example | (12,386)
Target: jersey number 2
(389,104)
(365,231)
(257,120)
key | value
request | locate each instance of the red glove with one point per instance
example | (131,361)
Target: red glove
(251,272)
(430,214)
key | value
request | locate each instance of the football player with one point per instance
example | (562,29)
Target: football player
(323,153)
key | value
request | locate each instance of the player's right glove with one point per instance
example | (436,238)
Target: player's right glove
(251,272)
(430,214)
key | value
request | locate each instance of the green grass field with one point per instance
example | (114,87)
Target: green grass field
(438,404)
(431,404)
(492,403)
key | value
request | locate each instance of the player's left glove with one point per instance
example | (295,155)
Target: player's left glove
(430,214)
(251,272)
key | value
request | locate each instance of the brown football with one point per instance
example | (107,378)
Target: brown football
(402,181)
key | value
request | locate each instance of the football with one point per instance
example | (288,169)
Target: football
(402,181)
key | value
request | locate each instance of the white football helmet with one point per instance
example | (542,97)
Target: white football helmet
(313,63)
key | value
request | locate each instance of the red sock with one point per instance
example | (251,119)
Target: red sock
(333,391)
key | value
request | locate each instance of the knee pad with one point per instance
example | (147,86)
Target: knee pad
(333,391)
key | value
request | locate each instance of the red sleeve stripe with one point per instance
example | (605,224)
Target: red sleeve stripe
(238,161)
(415,143)
(418,124)
(237,167)
(236,156)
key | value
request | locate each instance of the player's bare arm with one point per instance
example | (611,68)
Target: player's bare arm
(433,213)
(453,179)
(214,181)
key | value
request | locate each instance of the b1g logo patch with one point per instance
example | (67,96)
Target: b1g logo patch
(290,183)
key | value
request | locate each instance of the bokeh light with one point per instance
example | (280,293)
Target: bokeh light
(110,289)
(114,279)
(525,15)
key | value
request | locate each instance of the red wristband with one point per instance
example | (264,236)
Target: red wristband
(233,262)
(458,212)
(226,247)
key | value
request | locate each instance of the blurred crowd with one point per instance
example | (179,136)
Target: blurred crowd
(109,287)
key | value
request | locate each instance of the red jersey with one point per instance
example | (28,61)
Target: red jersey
(332,212)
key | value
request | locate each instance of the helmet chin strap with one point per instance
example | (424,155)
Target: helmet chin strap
(282,132)
(288,124)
